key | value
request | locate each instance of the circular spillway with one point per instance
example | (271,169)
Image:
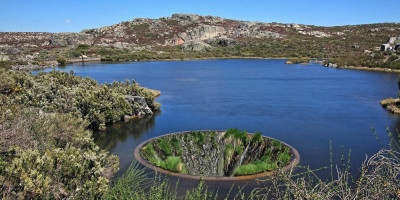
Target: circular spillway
(216,155)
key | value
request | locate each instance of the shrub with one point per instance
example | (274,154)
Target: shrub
(276,144)
(283,158)
(256,167)
(164,145)
(237,134)
(172,163)
(61,60)
(256,138)
(176,145)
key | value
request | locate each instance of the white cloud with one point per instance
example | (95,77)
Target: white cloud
(68,21)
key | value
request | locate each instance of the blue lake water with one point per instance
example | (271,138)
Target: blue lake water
(306,106)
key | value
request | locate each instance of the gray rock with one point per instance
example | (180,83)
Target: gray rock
(334,65)
(391,40)
(187,19)
(225,42)
(385,47)
(139,105)
(202,32)
(4,57)
(10,50)
(195,46)
(315,33)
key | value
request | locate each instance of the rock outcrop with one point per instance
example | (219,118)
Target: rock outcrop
(139,105)
(391,44)
(224,42)
(202,32)
(195,46)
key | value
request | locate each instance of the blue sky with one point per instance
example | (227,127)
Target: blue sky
(75,15)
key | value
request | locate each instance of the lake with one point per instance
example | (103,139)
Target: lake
(306,106)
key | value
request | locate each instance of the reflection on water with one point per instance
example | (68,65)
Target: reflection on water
(119,132)
(306,106)
(122,138)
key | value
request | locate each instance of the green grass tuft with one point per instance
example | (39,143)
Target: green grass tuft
(256,138)
(256,167)
(164,146)
(237,134)
(172,163)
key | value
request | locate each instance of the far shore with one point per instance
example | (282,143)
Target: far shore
(232,57)
(376,69)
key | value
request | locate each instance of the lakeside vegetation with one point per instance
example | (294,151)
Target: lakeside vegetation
(61,160)
(378,179)
(46,122)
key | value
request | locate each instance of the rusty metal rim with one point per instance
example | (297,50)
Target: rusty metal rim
(294,161)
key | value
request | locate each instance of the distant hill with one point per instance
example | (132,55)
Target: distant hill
(196,36)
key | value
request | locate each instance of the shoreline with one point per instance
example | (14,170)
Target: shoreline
(375,69)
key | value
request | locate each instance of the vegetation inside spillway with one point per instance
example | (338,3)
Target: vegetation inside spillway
(217,153)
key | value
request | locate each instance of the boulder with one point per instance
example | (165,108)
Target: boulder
(225,42)
(195,46)
(391,40)
(385,47)
(139,105)
(334,65)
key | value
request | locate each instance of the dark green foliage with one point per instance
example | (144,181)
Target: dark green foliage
(61,60)
(150,154)
(172,162)
(284,158)
(237,134)
(6,64)
(276,144)
(198,136)
(176,145)
(164,145)
(256,167)
(256,138)
(239,150)
(83,46)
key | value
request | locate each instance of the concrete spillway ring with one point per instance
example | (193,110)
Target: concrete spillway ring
(293,162)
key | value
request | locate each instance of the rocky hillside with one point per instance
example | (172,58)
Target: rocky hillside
(167,37)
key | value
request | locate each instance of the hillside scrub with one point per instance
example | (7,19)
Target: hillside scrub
(50,156)
(46,148)
(376,59)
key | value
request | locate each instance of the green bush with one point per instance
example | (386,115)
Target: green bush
(237,134)
(256,167)
(172,162)
(283,158)
(164,145)
(256,138)
(48,156)
(61,60)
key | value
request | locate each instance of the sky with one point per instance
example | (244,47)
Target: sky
(76,15)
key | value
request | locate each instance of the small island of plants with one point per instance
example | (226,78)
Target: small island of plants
(230,153)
